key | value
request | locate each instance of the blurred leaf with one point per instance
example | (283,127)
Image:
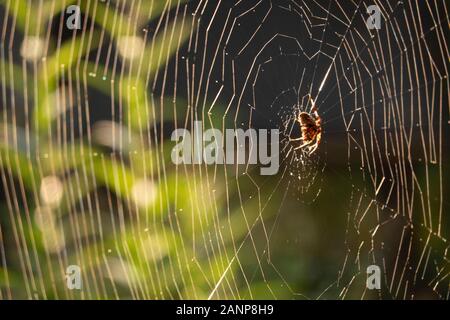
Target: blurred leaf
(64,58)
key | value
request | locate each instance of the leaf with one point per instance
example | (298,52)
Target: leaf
(62,59)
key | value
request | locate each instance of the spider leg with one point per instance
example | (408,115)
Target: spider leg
(305,144)
(313,148)
(316,145)
(313,106)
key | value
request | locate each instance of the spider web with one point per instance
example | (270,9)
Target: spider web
(87,177)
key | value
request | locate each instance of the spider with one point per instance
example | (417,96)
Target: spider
(311,127)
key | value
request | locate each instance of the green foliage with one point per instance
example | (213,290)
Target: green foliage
(158,247)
